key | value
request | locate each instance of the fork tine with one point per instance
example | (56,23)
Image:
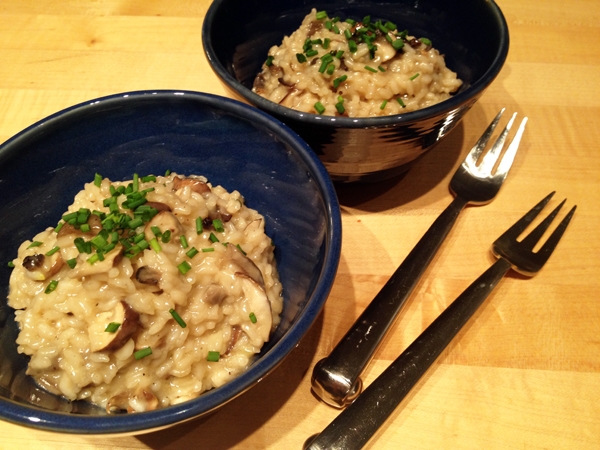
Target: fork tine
(490,158)
(509,155)
(544,253)
(536,234)
(520,225)
(477,149)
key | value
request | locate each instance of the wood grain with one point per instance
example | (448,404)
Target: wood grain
(524,373)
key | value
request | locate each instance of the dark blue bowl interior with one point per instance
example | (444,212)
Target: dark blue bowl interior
(472,34)
(234,145)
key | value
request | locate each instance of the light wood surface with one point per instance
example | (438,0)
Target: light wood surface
(523,374)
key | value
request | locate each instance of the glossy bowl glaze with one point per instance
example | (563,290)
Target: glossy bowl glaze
(234,145)
(472,34)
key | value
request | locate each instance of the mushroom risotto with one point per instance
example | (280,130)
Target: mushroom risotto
(147,293)
(355,69)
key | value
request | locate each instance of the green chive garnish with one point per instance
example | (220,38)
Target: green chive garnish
(142,353)
(414,76)
(35,244)
(97,180)
(192,252)
(213,356)
(112,327)
(319,107)
(425,41)
(401,102)
(312,52)
(370,69)
(338,81)
(177,318)
(381,68)
(253,317)
(72,262)
(184,267)
(269,61)
(51,286)
(301,58)
(321,15)
(166,237)
(398,44)
(213,238)
(53,251)
(184,242)
(326,43)
(218,225)
(155,245)
(11,264)
(208,249)
(199,228)
(352,46)
(383,104)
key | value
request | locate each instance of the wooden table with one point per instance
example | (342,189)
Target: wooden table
(524,373)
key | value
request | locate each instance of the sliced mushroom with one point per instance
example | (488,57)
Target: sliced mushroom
(147,275)
(235,336)
(41,267)
(164,220)
(194,184)
(256,304)
(244,264)
(84,268)
(139,401)
(107,341)
(159,206)
(214,294)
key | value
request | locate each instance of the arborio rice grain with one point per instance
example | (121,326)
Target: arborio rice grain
(180,304)
(355,69)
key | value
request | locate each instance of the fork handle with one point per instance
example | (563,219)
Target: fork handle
(354,426)
(336,378)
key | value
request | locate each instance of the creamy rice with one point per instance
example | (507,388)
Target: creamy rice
(185,321)
(375,69)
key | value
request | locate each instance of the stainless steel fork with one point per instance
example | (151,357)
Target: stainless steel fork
(353,428)
(336,379)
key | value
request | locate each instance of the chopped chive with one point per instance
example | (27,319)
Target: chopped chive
(401,102)
(301,58)
(312,52)
(136,182)
(148,178)
(414,76)
(143,244)
(352,46)
(133,224)
(112,327)
(53,251)
(269,61)
(167,173)
(156,230)
(11,264)
(319,107)
(366,20)
(370,69)
(339,54)
(72,263)
(85,227)
(184,267)
(326,43)
(51,286)
(138,237)
(381,68)
(351,22)
(142,353)
(340,107)
(391,26)
(330,69)
(213,238)
(218,225)
(97,180)
(184,242)
(166,237)
(347,34)
(398,44)
(34,244)
(335,29)
(425,41)
(252,317)
(338,81)
(59,226)
(93,259)
(213,356)
(199,228)
(177,318)
(155,245)
(321,15)
(208,249)
(192,252)
(328,25)
(383,104)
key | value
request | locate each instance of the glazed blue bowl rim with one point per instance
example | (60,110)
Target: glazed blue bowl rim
(23,414)
(347,122)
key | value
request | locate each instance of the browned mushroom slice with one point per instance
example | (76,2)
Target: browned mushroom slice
(159,206)
(214,294)
(147,275)
(244,264)
(194,184)
(254,310)
(235,336)
(103,340)
(164,220)
(41,267)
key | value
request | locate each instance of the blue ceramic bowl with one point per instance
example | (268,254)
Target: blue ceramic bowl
(472,34)
(234,145)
